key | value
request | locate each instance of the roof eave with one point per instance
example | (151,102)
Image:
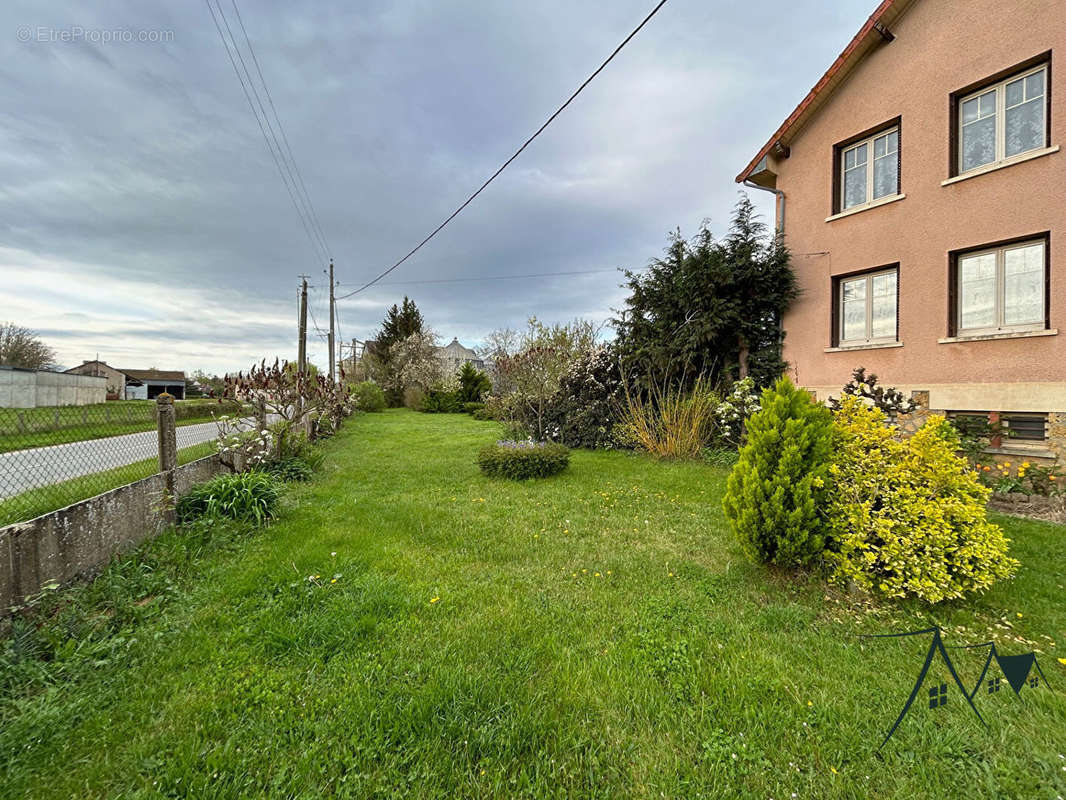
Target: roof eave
(872,33)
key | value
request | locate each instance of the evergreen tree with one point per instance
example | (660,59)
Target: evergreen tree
(400,324)
(710,308)
(776,490)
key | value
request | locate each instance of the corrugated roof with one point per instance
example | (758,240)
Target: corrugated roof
(858,48)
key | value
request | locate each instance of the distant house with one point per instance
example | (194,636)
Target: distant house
(134,384)
(453,356)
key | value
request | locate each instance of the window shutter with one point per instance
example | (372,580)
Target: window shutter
(953,295)
(836,205)
(834,316)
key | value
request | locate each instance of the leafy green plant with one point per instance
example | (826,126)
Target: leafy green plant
(887,399)
(520,460)
(368,396)
(441,401)
(669,422)
(906,518)
(775,492)
(246,496)
(290,469)
(472,408)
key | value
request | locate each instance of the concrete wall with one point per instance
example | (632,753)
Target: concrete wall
(26,388)
(939,48)
(80,539)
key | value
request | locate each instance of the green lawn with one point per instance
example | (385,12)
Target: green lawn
(596,634)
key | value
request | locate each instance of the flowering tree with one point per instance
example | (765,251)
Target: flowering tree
(308,399)
(412,362)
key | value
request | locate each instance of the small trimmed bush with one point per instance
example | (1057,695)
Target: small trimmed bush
(368,396)
(523,459)
(484,415)
(245,496)
(776,492)
(907,517)
(472,408)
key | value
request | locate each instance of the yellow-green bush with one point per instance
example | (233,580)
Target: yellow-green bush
(907,517)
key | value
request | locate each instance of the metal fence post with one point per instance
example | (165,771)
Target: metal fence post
(168,451)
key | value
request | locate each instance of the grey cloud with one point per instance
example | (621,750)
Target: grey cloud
(142,162)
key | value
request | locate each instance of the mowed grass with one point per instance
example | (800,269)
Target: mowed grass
(410,629)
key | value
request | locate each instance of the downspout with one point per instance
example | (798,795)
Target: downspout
(779,205)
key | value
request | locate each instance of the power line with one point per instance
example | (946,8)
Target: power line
(517,153)
(295,167)
(251,105)
(501,277)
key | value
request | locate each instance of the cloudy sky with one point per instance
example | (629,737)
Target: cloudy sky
(142,218)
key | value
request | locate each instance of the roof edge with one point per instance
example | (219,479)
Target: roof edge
(841,62)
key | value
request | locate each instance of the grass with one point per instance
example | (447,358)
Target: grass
(43,499)
(22,428)
(409,628)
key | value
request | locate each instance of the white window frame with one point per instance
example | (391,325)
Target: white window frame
(869,142)
(869,338)
(1000,88)
(1000,253)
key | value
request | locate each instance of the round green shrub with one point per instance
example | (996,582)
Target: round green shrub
(368,396)
(246,496)
(472,408)
(483,414)
(906,517)
(775,493)
(523,459)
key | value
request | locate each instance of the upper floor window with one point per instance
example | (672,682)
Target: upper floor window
(867,307)
(1002,289)
(1003,119)
(869,169)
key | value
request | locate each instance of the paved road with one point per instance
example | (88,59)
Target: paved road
(42,466)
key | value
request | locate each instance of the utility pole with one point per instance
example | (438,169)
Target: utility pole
(301,361)
(332,321)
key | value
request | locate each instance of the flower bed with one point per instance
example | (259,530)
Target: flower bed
(520,460)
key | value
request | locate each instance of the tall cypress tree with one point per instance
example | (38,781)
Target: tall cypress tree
(710,308)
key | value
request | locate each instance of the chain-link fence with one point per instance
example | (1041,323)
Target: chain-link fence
(52,457)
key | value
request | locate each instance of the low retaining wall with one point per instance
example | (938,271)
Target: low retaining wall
(80,539)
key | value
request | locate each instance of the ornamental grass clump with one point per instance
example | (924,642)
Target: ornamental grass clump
(245,496)
(906,517)
(668,421)
(775,494)
(520,460)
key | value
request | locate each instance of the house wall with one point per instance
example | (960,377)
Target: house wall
(937,51)
(24,388)
(116,381)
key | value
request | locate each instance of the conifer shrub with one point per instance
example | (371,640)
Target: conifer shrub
(520,460)
(776,491)
(906,518)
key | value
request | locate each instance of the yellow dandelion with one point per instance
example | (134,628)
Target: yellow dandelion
(597,574)
(433,600)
